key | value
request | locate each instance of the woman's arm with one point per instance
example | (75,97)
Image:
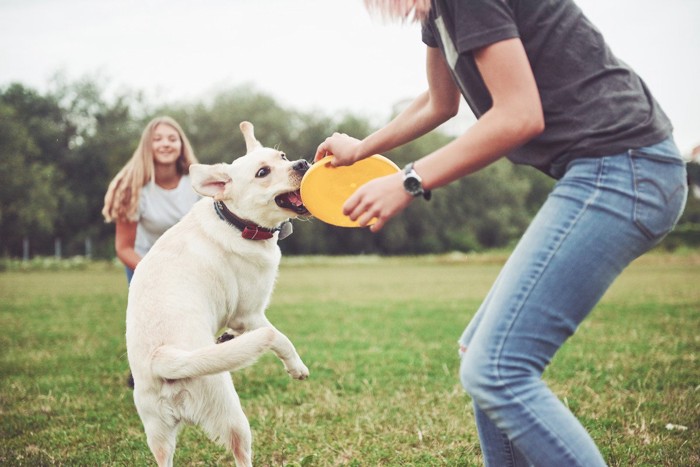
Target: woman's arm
(515,117)
(124,241)
(432,108)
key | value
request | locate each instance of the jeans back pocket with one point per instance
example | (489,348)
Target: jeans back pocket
(661,188)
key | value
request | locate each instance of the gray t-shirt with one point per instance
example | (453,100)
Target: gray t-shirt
(160,209)
(594,104)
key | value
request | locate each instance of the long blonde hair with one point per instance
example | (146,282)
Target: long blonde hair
(122,197)
(402,10)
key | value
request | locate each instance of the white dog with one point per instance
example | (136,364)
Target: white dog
(215,269)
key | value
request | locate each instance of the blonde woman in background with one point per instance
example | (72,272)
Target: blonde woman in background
(151,192)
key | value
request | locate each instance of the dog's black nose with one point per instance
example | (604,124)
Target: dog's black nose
(301,165)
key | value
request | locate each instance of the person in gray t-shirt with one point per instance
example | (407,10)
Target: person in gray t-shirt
(151,192)
(593,103)
(547,92)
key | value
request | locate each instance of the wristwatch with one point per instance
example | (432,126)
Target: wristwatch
(412,182)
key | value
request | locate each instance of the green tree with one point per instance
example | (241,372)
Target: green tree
(105,134)
(60,150)
(34,136)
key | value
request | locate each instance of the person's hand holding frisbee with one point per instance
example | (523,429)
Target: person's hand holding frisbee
(372,203)
(379,200)
(343,147)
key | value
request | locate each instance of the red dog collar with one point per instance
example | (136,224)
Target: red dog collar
(250,230)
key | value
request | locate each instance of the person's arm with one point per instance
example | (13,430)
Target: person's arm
(432,108)
(515,117)
(124,242)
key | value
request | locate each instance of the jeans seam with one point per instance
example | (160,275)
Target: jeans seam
(635,188)
(508,444)
(519,308)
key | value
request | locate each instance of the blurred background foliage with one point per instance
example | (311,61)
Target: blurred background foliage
(59,150)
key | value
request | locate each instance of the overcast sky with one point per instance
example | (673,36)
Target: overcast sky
(308,54)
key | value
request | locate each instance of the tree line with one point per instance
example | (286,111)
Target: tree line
(59,149)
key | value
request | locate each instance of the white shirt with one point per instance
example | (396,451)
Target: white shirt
(160,209)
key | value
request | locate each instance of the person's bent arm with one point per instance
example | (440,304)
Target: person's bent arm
(432,108)
(515,117)
(124,241)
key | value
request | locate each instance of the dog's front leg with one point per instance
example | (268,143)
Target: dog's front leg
(285,351)
(283,348)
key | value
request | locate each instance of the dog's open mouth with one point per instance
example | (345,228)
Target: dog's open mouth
(291,201)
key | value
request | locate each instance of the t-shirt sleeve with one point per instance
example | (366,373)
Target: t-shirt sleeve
(143,204)
(482,22)
(428,36)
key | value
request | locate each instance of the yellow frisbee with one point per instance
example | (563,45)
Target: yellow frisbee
(324,188)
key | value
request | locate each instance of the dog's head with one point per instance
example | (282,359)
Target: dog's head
(262,186)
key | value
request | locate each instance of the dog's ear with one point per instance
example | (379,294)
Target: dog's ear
(251,143)
(209,180)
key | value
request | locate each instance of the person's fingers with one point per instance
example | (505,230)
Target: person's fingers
(350,205)
(377,226)
(365,218)
(321,152)
(359,209)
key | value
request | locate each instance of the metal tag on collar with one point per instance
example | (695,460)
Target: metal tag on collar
(286,230)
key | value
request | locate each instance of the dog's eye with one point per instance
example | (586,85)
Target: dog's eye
(264,172)
(283,156)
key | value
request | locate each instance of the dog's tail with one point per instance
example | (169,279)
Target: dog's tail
(172,363)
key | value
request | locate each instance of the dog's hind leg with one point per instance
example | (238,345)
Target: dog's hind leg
(222,417)
(161,441)
(159,422)
(240,445)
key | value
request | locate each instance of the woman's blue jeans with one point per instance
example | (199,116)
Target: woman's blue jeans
(602,214)
(129,274)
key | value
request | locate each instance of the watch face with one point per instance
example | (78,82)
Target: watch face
(412,185)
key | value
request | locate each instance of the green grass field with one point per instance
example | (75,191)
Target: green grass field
(379,336)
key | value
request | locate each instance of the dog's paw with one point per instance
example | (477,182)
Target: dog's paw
(298,371)
(226,336)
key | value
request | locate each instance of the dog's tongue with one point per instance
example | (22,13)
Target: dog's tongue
(295,198)
(291,200)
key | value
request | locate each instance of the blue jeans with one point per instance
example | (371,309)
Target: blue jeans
(602,214)
(129,274)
